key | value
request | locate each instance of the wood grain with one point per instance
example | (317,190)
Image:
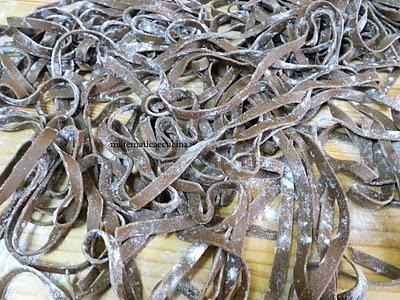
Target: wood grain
(378,233)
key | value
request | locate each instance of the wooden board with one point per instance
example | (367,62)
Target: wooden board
(377,233)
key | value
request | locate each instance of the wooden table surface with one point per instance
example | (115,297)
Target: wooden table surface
(377,233)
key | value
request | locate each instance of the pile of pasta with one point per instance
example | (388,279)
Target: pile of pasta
(237,85)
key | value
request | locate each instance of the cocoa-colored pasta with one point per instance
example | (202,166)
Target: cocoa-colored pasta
(206,104)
